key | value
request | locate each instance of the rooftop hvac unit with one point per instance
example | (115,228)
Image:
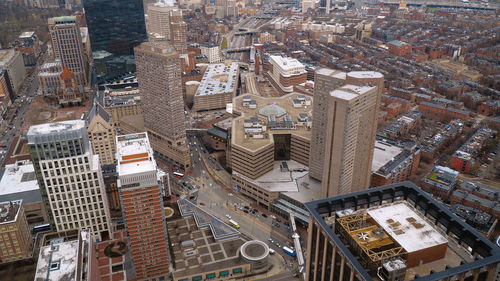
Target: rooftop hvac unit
(392,270)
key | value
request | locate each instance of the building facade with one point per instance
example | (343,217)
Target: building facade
(286,72)
(113,44)
(212,52)
(158,23)
(159,76)
(142,206)
(70,178)
(101,133)
(67,46)
(12,62)
(15,234)
(350,133)
(27,44)
(178,31)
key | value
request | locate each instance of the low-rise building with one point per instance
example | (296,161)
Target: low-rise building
(67,254)
(464,157)
(218,87)
(444,136)
(399,48)
(403,125)
(18,182)
(477,195)
(393,161)
(442,112)
(14,231)
(285,73)
(440,182)
(27,44)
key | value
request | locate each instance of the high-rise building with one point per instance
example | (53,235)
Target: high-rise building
(115,28)
(69,176)
(142,206)
(158,23)
(325,81)
(101,134)
(14,230)
(159,77)
(350,125)
(178,31)
(394,232)
(67,46)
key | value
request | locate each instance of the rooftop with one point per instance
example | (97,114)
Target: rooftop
(55,128)
(59,260)
(384,152)
(134,154)
(9,211)
(6,56)
(287,64)
(255,138)
(27,34)
(406,226)
(473,144)
(350,92)
(411,220)
(19,178)
(219,78)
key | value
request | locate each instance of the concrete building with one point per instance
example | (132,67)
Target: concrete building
(12,62)
(212,52)
(67,46)
(18,182)
(218,87)
(14,231)
(393,161)
(363,30)
(120,103)
(142,206)
(394,232)
(68,254)
(266,37)
(70,178)
(440,182)
(49,77)
(306,5)
(27,44)
(101,133)
(268,142)
(286,72)
(350,133)
(159,75)
(325,82)
(178,31)
(158,23)
(6,91)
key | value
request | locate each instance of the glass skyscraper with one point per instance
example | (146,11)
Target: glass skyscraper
(115,28)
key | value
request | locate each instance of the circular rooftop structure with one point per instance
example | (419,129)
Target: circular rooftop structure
(272,110)
(256,252)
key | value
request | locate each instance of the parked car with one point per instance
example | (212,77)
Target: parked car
(264,215)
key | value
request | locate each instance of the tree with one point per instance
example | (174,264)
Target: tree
(223,45)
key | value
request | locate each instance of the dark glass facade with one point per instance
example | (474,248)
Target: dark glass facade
(115,28)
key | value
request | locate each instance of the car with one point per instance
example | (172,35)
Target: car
(202,204)
(277,225)
(273,216)
(278,220)
(246,207)
(271,240)
(264,215)
(246,211)
(278,245)
(228,216)
(286,223)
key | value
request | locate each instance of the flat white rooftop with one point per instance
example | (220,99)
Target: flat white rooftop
(50,128)
(18,178)
(219,78)
(27,34)
(58,262)
(406,226)
(332,73)
(134,144)
(383,153)
(365,74)
(287,63)
(349,92)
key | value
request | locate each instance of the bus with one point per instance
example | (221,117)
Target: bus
(234,224)
(41,228)
(289,251)
(178,175)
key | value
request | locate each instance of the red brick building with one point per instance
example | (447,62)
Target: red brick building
(400,49)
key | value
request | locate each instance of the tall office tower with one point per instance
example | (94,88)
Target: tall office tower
(178,31)
(159,77)
(101,133)
(68,47)
(158,24)
(325,81)
(142,205)
(351,125)
(69,176)
(115,28)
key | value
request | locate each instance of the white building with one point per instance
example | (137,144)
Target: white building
(217,88)
(333,28)
(13,62)
(70,177)
(287,72)
(213,53)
